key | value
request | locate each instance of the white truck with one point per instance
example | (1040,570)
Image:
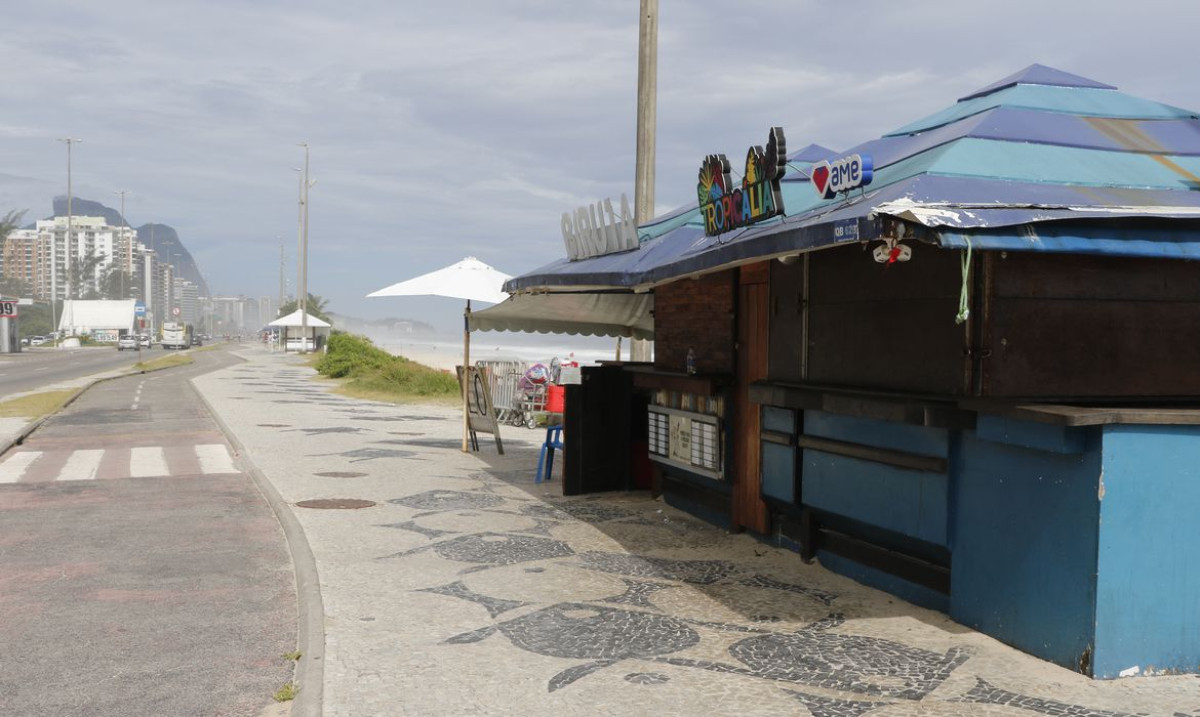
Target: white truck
(176,335)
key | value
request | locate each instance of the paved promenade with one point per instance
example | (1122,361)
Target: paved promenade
(466,589)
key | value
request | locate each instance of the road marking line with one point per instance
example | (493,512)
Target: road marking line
(145,462)
(12,469)
(215,458)
(82,465)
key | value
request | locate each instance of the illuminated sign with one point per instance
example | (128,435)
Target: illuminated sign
(726,207)
(842,175)
(596,230)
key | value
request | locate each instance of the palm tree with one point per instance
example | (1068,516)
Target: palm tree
(8,224)
(316,307)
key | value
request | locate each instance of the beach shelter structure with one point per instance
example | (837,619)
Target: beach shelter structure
(293,326)
(970,381)
(469,280)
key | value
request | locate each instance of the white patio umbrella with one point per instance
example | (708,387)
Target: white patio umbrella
(468,279)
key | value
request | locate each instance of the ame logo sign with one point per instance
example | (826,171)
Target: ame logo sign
(842,175)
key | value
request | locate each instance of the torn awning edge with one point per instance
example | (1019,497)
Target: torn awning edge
(595,314)
(978,216)
(1069,239)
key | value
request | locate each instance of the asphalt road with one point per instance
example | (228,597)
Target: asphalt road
(141,573)
(36,367)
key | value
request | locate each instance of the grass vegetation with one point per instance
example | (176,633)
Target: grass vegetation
(164,362)
(369,372)
(35,405)
(287,693)
(293,656)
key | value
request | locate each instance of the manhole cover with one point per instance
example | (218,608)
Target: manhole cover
(340,474)
(336,503)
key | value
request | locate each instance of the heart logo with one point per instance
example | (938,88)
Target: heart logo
(820,177)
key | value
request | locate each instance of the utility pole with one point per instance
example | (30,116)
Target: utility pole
(647,112)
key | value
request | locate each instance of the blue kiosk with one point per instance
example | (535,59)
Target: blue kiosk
(961,364)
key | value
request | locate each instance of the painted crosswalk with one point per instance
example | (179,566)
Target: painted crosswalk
(106,463)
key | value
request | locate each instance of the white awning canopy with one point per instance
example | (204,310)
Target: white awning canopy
(629,315)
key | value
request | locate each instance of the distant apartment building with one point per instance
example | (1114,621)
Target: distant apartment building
(23,258)
(48,261)
(187,300)
(268,310)
(236,314)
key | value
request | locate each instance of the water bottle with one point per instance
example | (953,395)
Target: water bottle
(691,361)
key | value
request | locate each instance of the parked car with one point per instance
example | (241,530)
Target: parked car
(37,340)
(128,341)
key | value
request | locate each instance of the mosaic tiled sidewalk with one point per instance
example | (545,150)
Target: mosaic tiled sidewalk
(469,590)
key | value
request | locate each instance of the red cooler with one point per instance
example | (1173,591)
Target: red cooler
(556,399)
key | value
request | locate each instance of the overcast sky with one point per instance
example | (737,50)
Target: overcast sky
(466,127)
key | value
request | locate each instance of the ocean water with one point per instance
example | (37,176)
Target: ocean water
(445,351)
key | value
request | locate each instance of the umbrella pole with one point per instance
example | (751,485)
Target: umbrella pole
(466,373)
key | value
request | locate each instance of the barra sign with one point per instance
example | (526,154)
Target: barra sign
(842,175)
(726,207)
(596,230)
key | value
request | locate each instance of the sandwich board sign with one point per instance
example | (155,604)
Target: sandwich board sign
(481,414)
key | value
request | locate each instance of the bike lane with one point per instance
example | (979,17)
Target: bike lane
(141,571)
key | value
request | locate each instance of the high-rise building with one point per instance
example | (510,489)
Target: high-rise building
(23,259)
(39,257)
(187,299)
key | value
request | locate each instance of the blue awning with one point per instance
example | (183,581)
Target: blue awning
(1175,243)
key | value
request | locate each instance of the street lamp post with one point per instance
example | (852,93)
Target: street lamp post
(304,259)
(127,245)
(54,285)
(302,253)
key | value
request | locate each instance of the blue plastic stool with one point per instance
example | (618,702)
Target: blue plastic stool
(546,457)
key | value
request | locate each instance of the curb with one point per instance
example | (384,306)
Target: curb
(310,637)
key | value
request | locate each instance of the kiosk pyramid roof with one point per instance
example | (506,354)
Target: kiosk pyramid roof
(1014,165)
(293,319)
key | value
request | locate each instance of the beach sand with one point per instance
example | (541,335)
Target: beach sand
(445,355)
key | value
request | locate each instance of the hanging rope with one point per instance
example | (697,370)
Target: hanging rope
(964,300)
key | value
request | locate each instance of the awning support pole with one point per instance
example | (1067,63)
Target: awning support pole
(466,376)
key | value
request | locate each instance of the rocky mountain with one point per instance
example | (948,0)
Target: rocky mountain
(162,238)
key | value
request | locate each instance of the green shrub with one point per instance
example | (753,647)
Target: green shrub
(350,355)
(375,370)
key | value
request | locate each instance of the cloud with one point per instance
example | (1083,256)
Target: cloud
(467,127)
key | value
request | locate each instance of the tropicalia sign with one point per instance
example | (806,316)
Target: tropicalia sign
(726,207)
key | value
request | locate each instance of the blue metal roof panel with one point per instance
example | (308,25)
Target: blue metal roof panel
(1176,136)
(1078,101)
(1048,164)
(1037,74)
